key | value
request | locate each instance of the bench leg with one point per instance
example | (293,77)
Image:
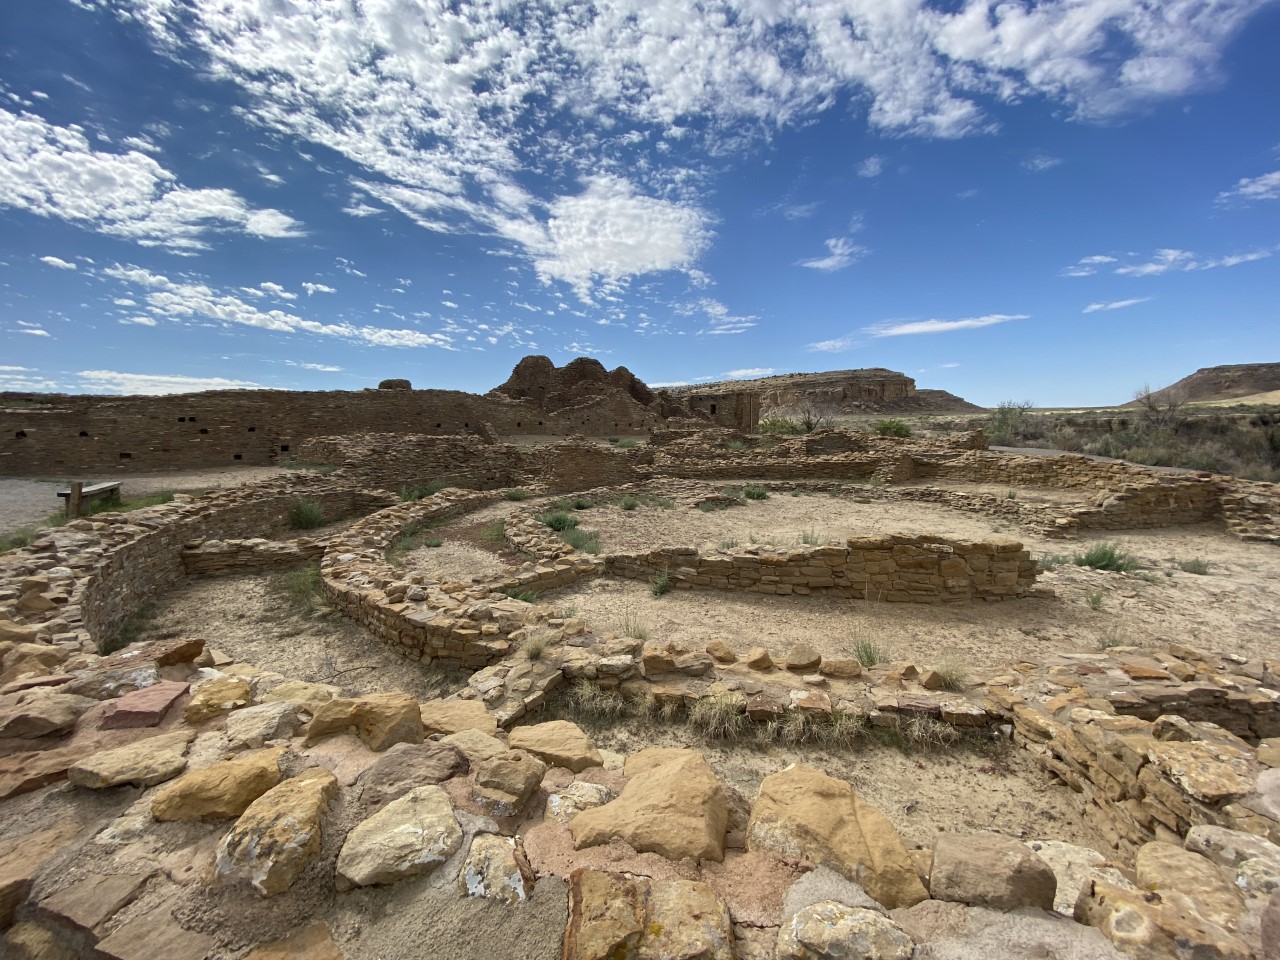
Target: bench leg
(73,499)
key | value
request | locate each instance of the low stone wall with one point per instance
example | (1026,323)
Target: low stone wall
(887,568)
(573,466)
(394,462)
(209,557)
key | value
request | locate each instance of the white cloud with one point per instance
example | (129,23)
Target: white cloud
(793,211)
(1087,266)
(141,321)
(185,301)
(1172,260)
(446,108)
(873,166)
(33,331)
(1040,162)
(841,252)
(720,322)
(111,381)
(748,372)
(312,288)
(7,369)
(948,366)
(59,263)
(52,171)
(275,290)
(1248,189)
(837,345)
(320,367)
(1115,304)
(903,328)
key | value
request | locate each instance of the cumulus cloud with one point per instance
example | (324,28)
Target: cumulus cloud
(312,288)
(112,381)
(1249,189)
(59,263)
(1115,304)
(53,171)
(904,328)
(183,301)
(275,290)
(445,114)
(841,252)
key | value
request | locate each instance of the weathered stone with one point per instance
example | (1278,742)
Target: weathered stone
(145,762)
(142,708)
(721,652)
(279,832)
(801,812)
(18,632)
(822,884)
(506,782)
(380,720)
(1070,865)
(953,931)
(672,805)
(40,713)
(558,742)
(802,658)
(758,659)
(254,726)
(841,668)
(216,697)
(1145,927)
(22,858)
(1190,882)
(1229,848)
(30,941)
(1213,773)
(306,697)
(153,935)
(408,837)
(496,868)
(474,745)
(454,716)
(89,903)
(568,802)
(310,943)
(613,916)
(220,792)
(833,931)
(409,765)
(989,870)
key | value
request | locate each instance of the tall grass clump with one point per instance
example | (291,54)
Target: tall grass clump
(1195,565)
(306,515)
(517,494)
(18,538)
(1106,556)
(755,493)
(301,589)
(626,443)
(719,718)
(867,652)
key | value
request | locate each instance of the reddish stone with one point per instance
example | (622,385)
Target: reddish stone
(142,708)
(20,861)
(162,653)
(29,683)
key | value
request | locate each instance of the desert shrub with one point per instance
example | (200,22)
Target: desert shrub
(783,426)
(587,541)
(418,491)
(1008,421)
(306,515)
(867,652)
(633,626)
(953,675)
(494,533)
(737,445)
(525,596)
(893,427)
(300,589)
(21,537)
(433,542)
(755,493)
(661,584)
(534,648)
(629,503)
(1094,598)
(587,702)
(719,718)
(581,503)
(729,543)
(626,443)
(1106,556)
(1195,565)
(811,538)
(559,520)
(614,439)
(517,494)
(711,506)
(1051,561)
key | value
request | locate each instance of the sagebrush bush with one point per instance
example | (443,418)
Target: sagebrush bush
(587,541)
(785,426)
(1106,556)
(559,520)
(1195,565)
(629,503)
(893,427)
(306,515)
(755,493)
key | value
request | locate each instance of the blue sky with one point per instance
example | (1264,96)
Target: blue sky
(1054,201)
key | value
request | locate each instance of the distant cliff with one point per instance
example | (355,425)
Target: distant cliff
(1228,382)
(869,390)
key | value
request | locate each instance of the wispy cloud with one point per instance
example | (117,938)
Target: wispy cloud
(59,263)
(1169,259)
(1249,189)
(1040,161)
(1115,304)
(873,166)
(318,367)
(112,381)
(837,345)
(1087,266)
(748,372)
(906,328)
(53,171)
(841,252)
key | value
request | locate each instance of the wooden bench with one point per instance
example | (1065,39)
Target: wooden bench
(79,494)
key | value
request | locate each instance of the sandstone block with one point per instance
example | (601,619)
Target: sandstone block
(758,659)
(410,836)
(40,712)
(833,931)
(496,868)
(142,708)
(145,762)
(506,782)
(801,812)
(802,658)
(21,860)
(558,742)
(455,716)
(721,652)
(990,870)
(91,902)
(254,726)
(380,720)
(220,792)
(216,697)
(474,745)
(310,943)
(406,766)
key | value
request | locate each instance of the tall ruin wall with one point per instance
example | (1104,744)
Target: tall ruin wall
(97,434)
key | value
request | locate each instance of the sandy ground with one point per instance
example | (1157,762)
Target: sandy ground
(1232,609)
(242,617)
(25,502)
(782,520)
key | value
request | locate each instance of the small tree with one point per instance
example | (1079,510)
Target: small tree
(1161,409)
(1007,421)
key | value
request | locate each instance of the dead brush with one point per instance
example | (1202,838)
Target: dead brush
(719,718)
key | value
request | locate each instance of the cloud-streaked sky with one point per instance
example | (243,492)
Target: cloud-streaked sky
(1056,201)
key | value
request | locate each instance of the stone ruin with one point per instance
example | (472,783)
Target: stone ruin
(161,800)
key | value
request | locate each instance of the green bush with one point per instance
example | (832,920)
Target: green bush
(582,503)
(893,427)
(517,494)
(626,443)
(868,653)
(18,538)
(1106,556)
(629,503)
(559,520)
(737,445)
(755,493)
(587,541)
(525,596)
(1195,565)
(1094,598)
(418,491)
(661,584)
(306,515)
(784,426)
